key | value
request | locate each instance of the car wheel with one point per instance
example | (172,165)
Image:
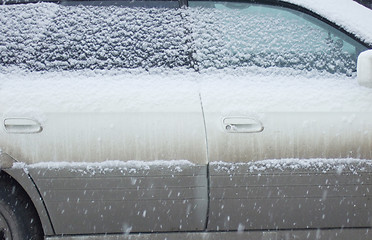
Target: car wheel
(18,217)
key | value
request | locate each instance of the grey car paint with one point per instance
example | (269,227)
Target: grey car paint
(242,199)
(159,199)
(333,234)
(274,202)
(6,161)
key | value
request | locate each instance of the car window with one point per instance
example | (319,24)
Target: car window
(76,35)
(239,34)
(71,36)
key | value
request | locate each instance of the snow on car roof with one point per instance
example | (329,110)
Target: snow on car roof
(351,16)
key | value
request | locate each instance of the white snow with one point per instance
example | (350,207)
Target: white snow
(272,89)
(348,14)
(254,91)
(365,68)
(315,164)
(257,35)
(34,93)
(48,36)
(107,166)
(39,37)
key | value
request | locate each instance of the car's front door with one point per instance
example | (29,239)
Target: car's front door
(286,121)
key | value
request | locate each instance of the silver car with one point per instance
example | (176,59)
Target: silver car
(185,120)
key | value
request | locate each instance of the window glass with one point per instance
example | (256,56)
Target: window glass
(245,34)
(48,36)
(77,35)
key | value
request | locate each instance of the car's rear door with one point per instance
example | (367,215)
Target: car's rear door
(286,122)
(113,138)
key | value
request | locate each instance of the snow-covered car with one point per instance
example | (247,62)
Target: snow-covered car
(185,120)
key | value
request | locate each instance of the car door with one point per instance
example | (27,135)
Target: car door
(113,142)
(286,121)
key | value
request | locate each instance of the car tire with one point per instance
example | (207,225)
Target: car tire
(18,217)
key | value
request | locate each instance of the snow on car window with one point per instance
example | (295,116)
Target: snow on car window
(208,35)
(244,34)
(54,37)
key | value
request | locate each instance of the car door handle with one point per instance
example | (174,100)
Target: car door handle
(242,125)
(22,125)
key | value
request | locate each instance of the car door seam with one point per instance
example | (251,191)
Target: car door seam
(207,157)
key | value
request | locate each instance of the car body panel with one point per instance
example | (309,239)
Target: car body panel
(122,118)
(130,198)
(97,137)
(125,117)
(322,124)
(138,121)
(247,199)
(323,117)
(292,135)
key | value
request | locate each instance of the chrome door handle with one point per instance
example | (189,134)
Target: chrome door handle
(22,125)
(242,125)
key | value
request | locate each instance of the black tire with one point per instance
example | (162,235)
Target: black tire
(18,217)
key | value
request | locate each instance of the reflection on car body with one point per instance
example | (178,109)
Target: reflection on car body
(193,119)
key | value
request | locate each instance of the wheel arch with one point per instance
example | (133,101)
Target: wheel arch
(20,176)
